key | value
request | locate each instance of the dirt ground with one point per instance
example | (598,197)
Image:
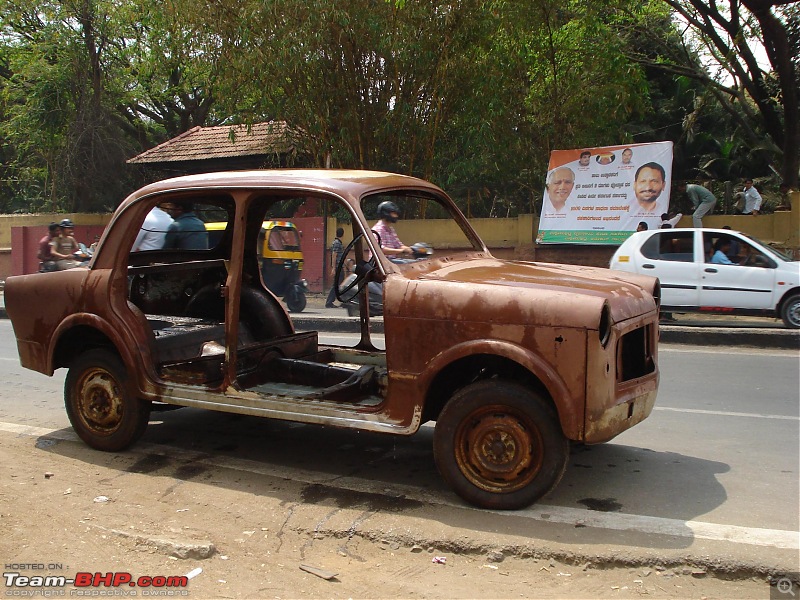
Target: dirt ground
(65,509)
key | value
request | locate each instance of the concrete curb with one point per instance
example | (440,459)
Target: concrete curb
(782,339)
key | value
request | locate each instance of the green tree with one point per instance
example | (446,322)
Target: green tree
(67,139)
(86,84)
(720,50)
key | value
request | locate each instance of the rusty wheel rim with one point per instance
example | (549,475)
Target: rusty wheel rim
(100,401)
(499,449)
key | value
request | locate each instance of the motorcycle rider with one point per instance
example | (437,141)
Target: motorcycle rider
(64,247)
(45,255)
(389,213)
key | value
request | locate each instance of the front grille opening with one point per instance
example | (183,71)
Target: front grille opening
(635,355)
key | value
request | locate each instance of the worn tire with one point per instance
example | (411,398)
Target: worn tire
(100,402)
(790,311)
(499,445)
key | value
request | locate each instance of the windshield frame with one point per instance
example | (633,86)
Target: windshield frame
(773,251)
(472,242)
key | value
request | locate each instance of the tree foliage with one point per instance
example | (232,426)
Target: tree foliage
(719,48)
(472,94)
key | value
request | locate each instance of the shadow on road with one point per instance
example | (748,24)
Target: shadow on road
(343,469)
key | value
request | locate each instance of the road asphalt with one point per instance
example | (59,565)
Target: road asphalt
(689,329)
(580,542)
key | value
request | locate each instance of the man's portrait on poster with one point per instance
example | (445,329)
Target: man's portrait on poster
(648,183)
(560,184)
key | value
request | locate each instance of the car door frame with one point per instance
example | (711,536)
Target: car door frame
(732,287)
(680,279)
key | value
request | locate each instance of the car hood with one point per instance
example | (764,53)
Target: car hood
(528,292)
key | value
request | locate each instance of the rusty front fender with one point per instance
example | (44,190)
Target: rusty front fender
(570,409)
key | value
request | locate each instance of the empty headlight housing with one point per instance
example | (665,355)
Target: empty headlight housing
(604,328)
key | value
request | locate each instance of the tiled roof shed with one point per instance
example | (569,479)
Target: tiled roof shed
(224,148)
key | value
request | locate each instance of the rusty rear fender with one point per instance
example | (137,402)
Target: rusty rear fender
(82,331)
(36,305)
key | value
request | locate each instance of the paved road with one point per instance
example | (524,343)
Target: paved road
(713,474)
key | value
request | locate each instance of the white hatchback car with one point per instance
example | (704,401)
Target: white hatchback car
(759,281)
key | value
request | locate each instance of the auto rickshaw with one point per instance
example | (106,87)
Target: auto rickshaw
(280,259)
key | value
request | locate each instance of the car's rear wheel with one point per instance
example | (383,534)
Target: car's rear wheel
(100,404)
(790,311)
(499,445)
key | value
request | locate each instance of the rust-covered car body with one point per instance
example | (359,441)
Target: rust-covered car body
(511,359)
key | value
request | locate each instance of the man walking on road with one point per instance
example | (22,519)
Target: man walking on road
(702,200)
(337,249)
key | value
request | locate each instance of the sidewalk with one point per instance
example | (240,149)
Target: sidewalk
(691,329)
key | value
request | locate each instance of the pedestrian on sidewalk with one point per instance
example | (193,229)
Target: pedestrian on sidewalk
(336,250)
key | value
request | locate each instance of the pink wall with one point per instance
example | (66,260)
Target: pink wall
(25,247)
(312,242)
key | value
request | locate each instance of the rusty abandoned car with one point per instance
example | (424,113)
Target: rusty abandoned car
(511,359)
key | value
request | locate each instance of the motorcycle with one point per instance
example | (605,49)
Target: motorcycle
(80,258)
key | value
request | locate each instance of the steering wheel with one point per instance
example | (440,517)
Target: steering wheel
(362,270)
(754,260)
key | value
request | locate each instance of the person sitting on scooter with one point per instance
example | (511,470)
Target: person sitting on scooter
(64,247)
(47,262)
(389,213)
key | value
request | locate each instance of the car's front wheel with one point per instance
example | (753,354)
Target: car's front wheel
(499,445)
(100,404)
(790,311)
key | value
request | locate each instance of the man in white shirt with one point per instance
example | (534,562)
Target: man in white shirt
(668,222)
(154,229)
(752,199)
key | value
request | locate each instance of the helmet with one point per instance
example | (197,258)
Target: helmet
(385,210)
(66,223)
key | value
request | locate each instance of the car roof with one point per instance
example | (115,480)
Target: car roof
(704,229)
(639,235)
(351,183)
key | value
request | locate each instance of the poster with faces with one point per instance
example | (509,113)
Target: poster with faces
(601,195)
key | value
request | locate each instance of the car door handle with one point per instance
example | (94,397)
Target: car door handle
(648,266)
(711,270)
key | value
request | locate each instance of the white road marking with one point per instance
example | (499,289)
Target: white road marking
(754,536)
(726,414)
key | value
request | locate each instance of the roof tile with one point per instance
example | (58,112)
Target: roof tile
(223,141)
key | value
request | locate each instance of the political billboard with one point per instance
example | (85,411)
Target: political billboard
(600,195)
